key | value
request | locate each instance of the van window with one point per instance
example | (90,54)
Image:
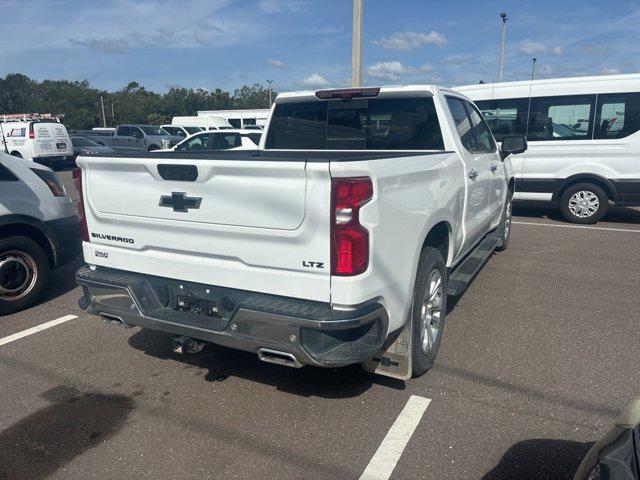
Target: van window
(617,115)
(249,121)
(561,118)
(358,124)
(506,117)
(124,131)
(235,122)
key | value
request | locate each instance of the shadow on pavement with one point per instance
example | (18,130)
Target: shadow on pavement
(62,281)
(552,212)
(540,459)
(223,362)
(49,438)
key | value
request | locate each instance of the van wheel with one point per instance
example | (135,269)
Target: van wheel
(584,203)
(24,273)
(428,309)
(16,154)
(505,224)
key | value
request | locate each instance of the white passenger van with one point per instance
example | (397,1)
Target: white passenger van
(43,141)
(240,118)
(584,139)
(204,123)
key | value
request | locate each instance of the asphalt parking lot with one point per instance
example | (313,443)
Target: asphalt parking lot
(538,357)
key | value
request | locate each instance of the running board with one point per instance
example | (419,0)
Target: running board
(460,278)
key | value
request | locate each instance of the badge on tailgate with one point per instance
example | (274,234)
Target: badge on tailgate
(180,202)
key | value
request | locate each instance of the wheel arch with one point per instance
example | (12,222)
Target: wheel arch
(31,228)
(602,182)
(439,236)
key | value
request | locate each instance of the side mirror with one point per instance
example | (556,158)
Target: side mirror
(513,146)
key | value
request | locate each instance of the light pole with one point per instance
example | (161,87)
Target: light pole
(113,114)
(503,15)
(104,119)
(356,45)
(270,82)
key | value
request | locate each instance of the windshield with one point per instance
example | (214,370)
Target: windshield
(192,130)
(151,130)
(82,142)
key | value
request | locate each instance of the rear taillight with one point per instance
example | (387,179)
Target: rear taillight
(77,181)
(349,239)
(32,134)
(52,180)
(347,93)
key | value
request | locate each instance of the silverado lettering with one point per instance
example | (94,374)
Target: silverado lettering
(112,238)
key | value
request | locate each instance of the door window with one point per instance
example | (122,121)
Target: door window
(506,117)
(225,141)
(483,138)
(124,131)
(618,115)
(462,122)
(136,132)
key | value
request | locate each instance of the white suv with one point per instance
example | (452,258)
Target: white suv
(38,231)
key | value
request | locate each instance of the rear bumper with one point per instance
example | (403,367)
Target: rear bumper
(310,331)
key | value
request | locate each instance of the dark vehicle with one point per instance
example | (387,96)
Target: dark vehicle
(84,146)
(617,455)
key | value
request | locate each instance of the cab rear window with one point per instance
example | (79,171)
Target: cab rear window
(357,124)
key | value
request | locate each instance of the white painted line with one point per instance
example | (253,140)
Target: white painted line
(36,329)
(583,227)
(390,450)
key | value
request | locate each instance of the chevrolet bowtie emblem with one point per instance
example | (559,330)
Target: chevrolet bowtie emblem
(180,202)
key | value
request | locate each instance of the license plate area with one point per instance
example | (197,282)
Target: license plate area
(197,306)
(61,145)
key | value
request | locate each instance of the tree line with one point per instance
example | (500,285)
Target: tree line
(81,105)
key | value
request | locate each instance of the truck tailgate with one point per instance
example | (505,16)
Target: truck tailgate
(235,221)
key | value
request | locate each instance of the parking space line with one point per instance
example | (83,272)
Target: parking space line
(390,450)
(36,329)
(583,227)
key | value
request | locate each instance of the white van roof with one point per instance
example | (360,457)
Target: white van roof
(554,86)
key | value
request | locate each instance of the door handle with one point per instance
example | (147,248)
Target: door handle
(494,168)
(473,174)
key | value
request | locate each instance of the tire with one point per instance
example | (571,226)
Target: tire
(152,148)
(426,339)
(505,223)
(24,273)
(584,203)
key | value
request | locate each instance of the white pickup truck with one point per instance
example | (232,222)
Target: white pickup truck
(337,242)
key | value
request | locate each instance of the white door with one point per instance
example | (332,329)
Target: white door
(477,175)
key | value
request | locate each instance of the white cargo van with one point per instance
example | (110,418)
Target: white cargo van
(43,141)
(584,139)
(239,118)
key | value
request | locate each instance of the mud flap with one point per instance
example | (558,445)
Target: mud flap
(395,361)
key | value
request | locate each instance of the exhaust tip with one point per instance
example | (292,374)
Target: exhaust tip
(112,319)
(279,358)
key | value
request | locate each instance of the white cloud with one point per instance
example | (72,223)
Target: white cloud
(392,70)
(108,45)
(314,80)
(457,59)
(277,63)
(558,50)
(410,40)
(609,71)
(529,47)
(545,69)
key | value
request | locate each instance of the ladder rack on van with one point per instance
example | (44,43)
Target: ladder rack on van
(30,117)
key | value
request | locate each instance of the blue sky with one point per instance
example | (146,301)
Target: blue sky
(307,43)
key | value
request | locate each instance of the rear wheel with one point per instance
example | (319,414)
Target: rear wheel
(428,309)
(24,273)
(152,148)
(505,223)
(584,203)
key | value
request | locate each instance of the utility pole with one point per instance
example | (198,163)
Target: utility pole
(503,15)
(356,45)
(104,119)
(270,82)
(113,114)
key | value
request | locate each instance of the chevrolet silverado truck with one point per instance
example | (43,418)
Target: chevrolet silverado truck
(337,242)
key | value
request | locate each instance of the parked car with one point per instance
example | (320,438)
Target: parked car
(617,455)
(101,136)
(39,231)
(336,243)
(183,132)
(43,141)
(83,146)
(143,137)
(219,140)
(584,136)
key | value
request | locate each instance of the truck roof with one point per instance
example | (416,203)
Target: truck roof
(389,89)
